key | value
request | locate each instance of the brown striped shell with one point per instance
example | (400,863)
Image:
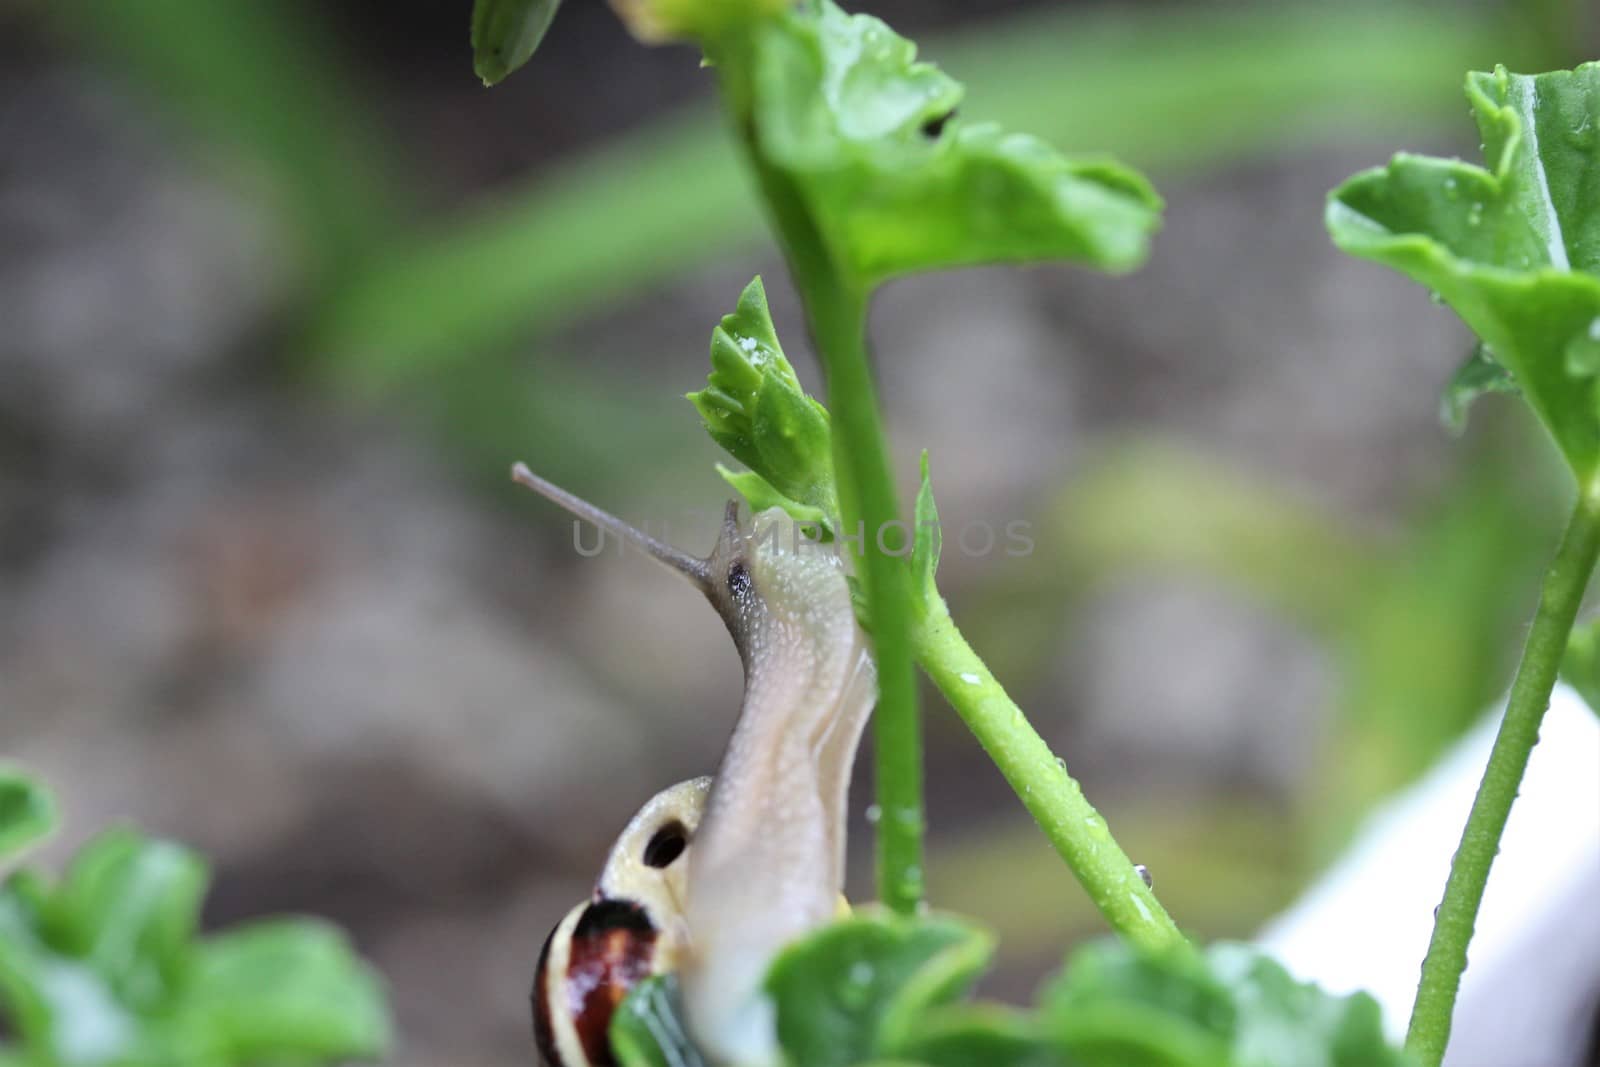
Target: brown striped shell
(632,927)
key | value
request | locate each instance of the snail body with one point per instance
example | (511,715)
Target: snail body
(763,861)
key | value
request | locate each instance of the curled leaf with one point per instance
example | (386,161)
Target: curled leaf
(753,406)
(1513,247)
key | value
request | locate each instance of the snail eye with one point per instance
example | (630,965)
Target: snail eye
(738,580)
(666,845)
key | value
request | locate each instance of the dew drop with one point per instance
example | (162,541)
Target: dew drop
(1144,875)
(857,986)
(1061,763)
(1583,350)
(874,814)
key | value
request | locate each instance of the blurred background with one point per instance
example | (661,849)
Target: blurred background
(284,290)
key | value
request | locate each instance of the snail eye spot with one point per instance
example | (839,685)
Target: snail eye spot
(738,579)
(666,845)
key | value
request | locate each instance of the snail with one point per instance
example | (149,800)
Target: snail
(762,846)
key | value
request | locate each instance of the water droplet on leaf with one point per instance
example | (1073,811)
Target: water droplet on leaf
(1583,350)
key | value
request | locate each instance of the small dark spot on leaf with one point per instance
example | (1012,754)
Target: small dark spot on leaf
(935,126)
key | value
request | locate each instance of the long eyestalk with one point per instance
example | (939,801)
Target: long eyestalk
(693,568)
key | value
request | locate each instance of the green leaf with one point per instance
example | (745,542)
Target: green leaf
(289,988)
(1116,1007)
(1514,248)
(505,34)
(27,812)
(986,1034)
(60,1008)
(1580,667)
(103,970)
(895,182)
(128,907)
(647,1030)
(754,408)
(760,495)
(1231,1008)
(1480,373)
(855,990)
(928,540)
(1240,78)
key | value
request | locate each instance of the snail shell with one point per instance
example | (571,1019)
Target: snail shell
(630,928)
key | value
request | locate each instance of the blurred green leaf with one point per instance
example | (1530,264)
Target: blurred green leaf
(505,34)
(1236,80)
(128,907)
(103,970)
(980,1034)
(1514,249)
(1231,1008)
(897,182)
(754,408)
(1580,667)
(876,990)
(855,990)
(1481,373)
(283,988)
(648,1029)
(27,812)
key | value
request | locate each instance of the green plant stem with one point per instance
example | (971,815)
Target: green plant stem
(868,499)
(1564,584)
(836,312)
(1050,794)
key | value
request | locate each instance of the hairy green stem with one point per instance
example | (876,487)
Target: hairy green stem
(1056,801)
(871,515)
(1429,1031)
(835,307)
